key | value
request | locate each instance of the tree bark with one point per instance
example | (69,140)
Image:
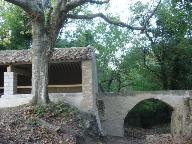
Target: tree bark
(40,57)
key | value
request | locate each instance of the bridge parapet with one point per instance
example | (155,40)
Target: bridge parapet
(187,93)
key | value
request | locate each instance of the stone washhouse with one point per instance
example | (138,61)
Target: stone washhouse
(73,79)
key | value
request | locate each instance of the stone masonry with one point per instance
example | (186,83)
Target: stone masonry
(10,83)
(90,89)
(89,85)
(117,106)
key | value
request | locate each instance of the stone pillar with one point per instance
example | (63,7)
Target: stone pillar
(10,83)
(90,89)
(87,86)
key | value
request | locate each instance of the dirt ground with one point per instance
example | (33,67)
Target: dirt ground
(115,140)
(18,126)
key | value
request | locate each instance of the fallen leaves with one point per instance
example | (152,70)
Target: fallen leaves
(22,125)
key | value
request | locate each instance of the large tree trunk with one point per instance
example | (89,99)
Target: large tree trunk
(40,57)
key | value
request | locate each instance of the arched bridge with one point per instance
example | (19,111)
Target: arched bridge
(113,109)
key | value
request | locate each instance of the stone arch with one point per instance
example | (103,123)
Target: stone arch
(143,124)
(116,107)
(138,100)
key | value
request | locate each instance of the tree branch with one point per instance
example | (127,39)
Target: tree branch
(100,15)
(20,3)
(73,4)
(98,2)
(58,16)
(109,20)
(29,6)
(150,38)
(152,13)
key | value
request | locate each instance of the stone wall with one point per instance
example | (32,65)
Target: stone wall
(89,85)
(74,99)
(14,100)
(53,90)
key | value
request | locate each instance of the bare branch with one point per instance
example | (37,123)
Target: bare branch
(73,4)
(149,37)
(69,5)
(152,13)
(58,17)
(98,2)
(64,6)
(100,15)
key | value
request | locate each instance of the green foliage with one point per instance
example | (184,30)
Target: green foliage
(125,60)
(108,41)
(149,113)
(54,110)
(15,29)
(160,58)
(133,69)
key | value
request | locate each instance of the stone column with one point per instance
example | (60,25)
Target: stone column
(90,89)
(10,82)
(87,86)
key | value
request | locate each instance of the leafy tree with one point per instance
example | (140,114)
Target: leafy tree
(108,41)
(134,73)
(47,18)
(162,55)
(15,32)
(171,47)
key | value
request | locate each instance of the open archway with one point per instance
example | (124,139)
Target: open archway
(150,116)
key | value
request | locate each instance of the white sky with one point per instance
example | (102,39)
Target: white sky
(120,7)
(117,8)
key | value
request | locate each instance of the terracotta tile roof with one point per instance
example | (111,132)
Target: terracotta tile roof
(59,54)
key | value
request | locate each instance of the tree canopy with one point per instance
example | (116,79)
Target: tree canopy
(157,58)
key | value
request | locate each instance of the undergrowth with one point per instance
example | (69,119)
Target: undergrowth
(53,110)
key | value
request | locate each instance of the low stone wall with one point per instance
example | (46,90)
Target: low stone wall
(53,90)
(74,99)
(14,100)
